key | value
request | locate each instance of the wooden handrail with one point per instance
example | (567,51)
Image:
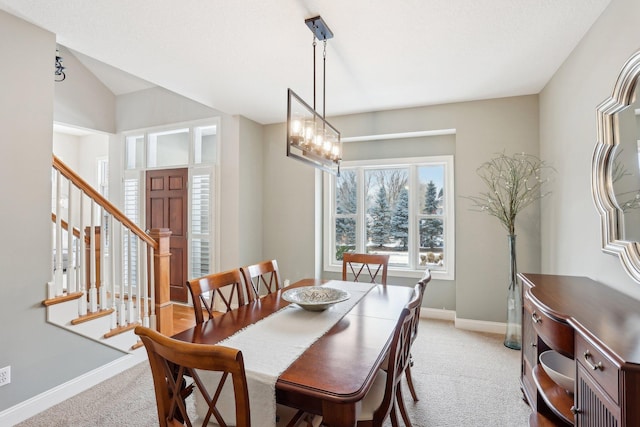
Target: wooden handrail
(99,198)
(65,225)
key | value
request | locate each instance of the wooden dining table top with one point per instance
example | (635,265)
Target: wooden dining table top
(333,375)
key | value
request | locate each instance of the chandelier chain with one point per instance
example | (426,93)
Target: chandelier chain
(324,79)
(314,72)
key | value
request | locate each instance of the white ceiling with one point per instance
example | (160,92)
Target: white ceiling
(240,56)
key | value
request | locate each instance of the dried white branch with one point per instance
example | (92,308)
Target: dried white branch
(513,183)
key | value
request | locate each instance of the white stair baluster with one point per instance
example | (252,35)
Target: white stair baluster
(103,263)
(58,278)
(145,284)
(71,270)
(122,315)
(93,290)
(152,287)
(139,302)
(82,277)
(112,270)
(131,315)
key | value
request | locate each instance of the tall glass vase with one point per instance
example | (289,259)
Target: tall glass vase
(513,337)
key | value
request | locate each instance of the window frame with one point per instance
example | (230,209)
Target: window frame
(413,270)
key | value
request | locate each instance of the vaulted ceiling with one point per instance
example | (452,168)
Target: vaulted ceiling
(240,56)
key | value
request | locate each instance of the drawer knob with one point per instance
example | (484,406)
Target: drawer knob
(594,366)
(575,410)
(535,317)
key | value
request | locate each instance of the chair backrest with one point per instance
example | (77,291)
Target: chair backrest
(399,356)
(263,278)
(421,286)
(375,266)
(426,277)
(228,285)
(173,362)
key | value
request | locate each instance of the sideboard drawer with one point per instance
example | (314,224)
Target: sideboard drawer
(599,366)
(557,334)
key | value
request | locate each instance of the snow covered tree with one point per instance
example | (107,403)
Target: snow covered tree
(400,218)
(379,227)
(431,228)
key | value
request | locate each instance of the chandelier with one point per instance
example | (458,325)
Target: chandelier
(310,138)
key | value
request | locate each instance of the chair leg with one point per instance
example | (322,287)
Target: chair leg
(407,373)
(393,416)
(403,409)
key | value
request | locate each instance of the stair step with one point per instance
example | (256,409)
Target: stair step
(61,299)
(90,316)
(120,330)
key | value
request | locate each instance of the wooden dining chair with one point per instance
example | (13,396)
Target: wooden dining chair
(385,395)
(174,363)
(374,265)
(227,285)
(422,285)
(263,278)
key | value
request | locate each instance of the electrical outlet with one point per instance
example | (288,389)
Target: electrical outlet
(5,375)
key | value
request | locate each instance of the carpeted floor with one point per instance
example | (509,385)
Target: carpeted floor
(464,379)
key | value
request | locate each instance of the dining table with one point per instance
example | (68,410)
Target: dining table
(333,374)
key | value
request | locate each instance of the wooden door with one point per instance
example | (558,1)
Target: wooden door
(166,201)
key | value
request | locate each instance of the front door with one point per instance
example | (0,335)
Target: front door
(166,198)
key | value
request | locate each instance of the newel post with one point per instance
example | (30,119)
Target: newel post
(163,305)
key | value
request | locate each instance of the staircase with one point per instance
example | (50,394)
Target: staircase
(111,275)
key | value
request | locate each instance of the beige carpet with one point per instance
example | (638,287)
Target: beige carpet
(464,379)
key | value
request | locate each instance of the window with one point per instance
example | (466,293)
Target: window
(400,207)
(168,148)
(134,152)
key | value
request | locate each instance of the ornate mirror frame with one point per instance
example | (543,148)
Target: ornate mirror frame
(612,218)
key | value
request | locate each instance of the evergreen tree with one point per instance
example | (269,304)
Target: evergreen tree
(400,219)
(431,199)
(431,228)
(379,228)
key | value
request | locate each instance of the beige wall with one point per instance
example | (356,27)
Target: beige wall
(83,100)
(251,200)
(81,153)
(157,107)
(483,129)
(39,354)
(571,242)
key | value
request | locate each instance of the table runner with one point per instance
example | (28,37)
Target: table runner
(270,345)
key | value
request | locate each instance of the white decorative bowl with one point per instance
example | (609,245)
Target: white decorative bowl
(315,298)
(560,369)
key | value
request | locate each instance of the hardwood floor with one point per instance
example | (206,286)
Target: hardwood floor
(183,317)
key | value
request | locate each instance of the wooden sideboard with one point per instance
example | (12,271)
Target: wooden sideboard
(596,326)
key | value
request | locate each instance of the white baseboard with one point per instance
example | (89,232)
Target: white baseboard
(467,324)
(437,313)
(481,326)
(49,398)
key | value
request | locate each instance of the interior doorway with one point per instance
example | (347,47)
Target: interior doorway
(167,207)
